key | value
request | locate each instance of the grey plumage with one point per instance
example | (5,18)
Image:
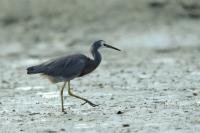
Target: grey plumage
(61,69)
(66,68)
(71,66)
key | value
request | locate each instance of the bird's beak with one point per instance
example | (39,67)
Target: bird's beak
(108,46)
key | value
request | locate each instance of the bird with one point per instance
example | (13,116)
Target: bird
(66,68)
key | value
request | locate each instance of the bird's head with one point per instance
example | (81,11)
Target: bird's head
(102,44)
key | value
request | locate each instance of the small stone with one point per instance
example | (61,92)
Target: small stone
(195,94)
(100,85)
(121,71)
(112,98)
(4,81)
(132,106)
(62,129)
(48,131)
(178,128)
(189,96)
(125,125)
(150,111)
(156,4)
(34,113)
(120,112)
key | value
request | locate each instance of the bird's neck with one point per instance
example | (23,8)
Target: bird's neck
(97,56)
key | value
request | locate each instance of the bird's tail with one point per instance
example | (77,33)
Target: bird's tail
(34,69)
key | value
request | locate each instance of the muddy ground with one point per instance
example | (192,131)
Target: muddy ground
(152,86)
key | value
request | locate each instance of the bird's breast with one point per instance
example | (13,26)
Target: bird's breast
(91,66)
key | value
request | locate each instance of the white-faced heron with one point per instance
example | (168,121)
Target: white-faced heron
(66,68)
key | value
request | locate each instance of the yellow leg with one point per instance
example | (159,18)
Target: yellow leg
(61,95)
(86,101)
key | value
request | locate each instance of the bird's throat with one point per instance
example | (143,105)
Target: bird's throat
(97,57)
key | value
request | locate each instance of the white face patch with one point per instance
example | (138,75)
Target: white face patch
(102,44)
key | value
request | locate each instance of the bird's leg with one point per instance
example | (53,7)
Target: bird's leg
(61,95)
(86,101)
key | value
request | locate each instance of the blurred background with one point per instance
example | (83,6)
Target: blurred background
(151,86)
(27,25)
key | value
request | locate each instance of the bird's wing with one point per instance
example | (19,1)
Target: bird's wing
(68,67)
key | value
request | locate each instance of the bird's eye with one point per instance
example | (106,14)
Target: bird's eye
(102,43)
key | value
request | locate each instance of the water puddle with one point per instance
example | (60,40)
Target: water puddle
(98,94)
(198,102)
(12,48)
(48,95)
(164,60)
(144,76)
(27,88)
(195,73)
(29,62)
(152,125)
(84,126)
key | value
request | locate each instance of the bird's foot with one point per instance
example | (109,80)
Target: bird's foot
(64,112)
(90,103)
